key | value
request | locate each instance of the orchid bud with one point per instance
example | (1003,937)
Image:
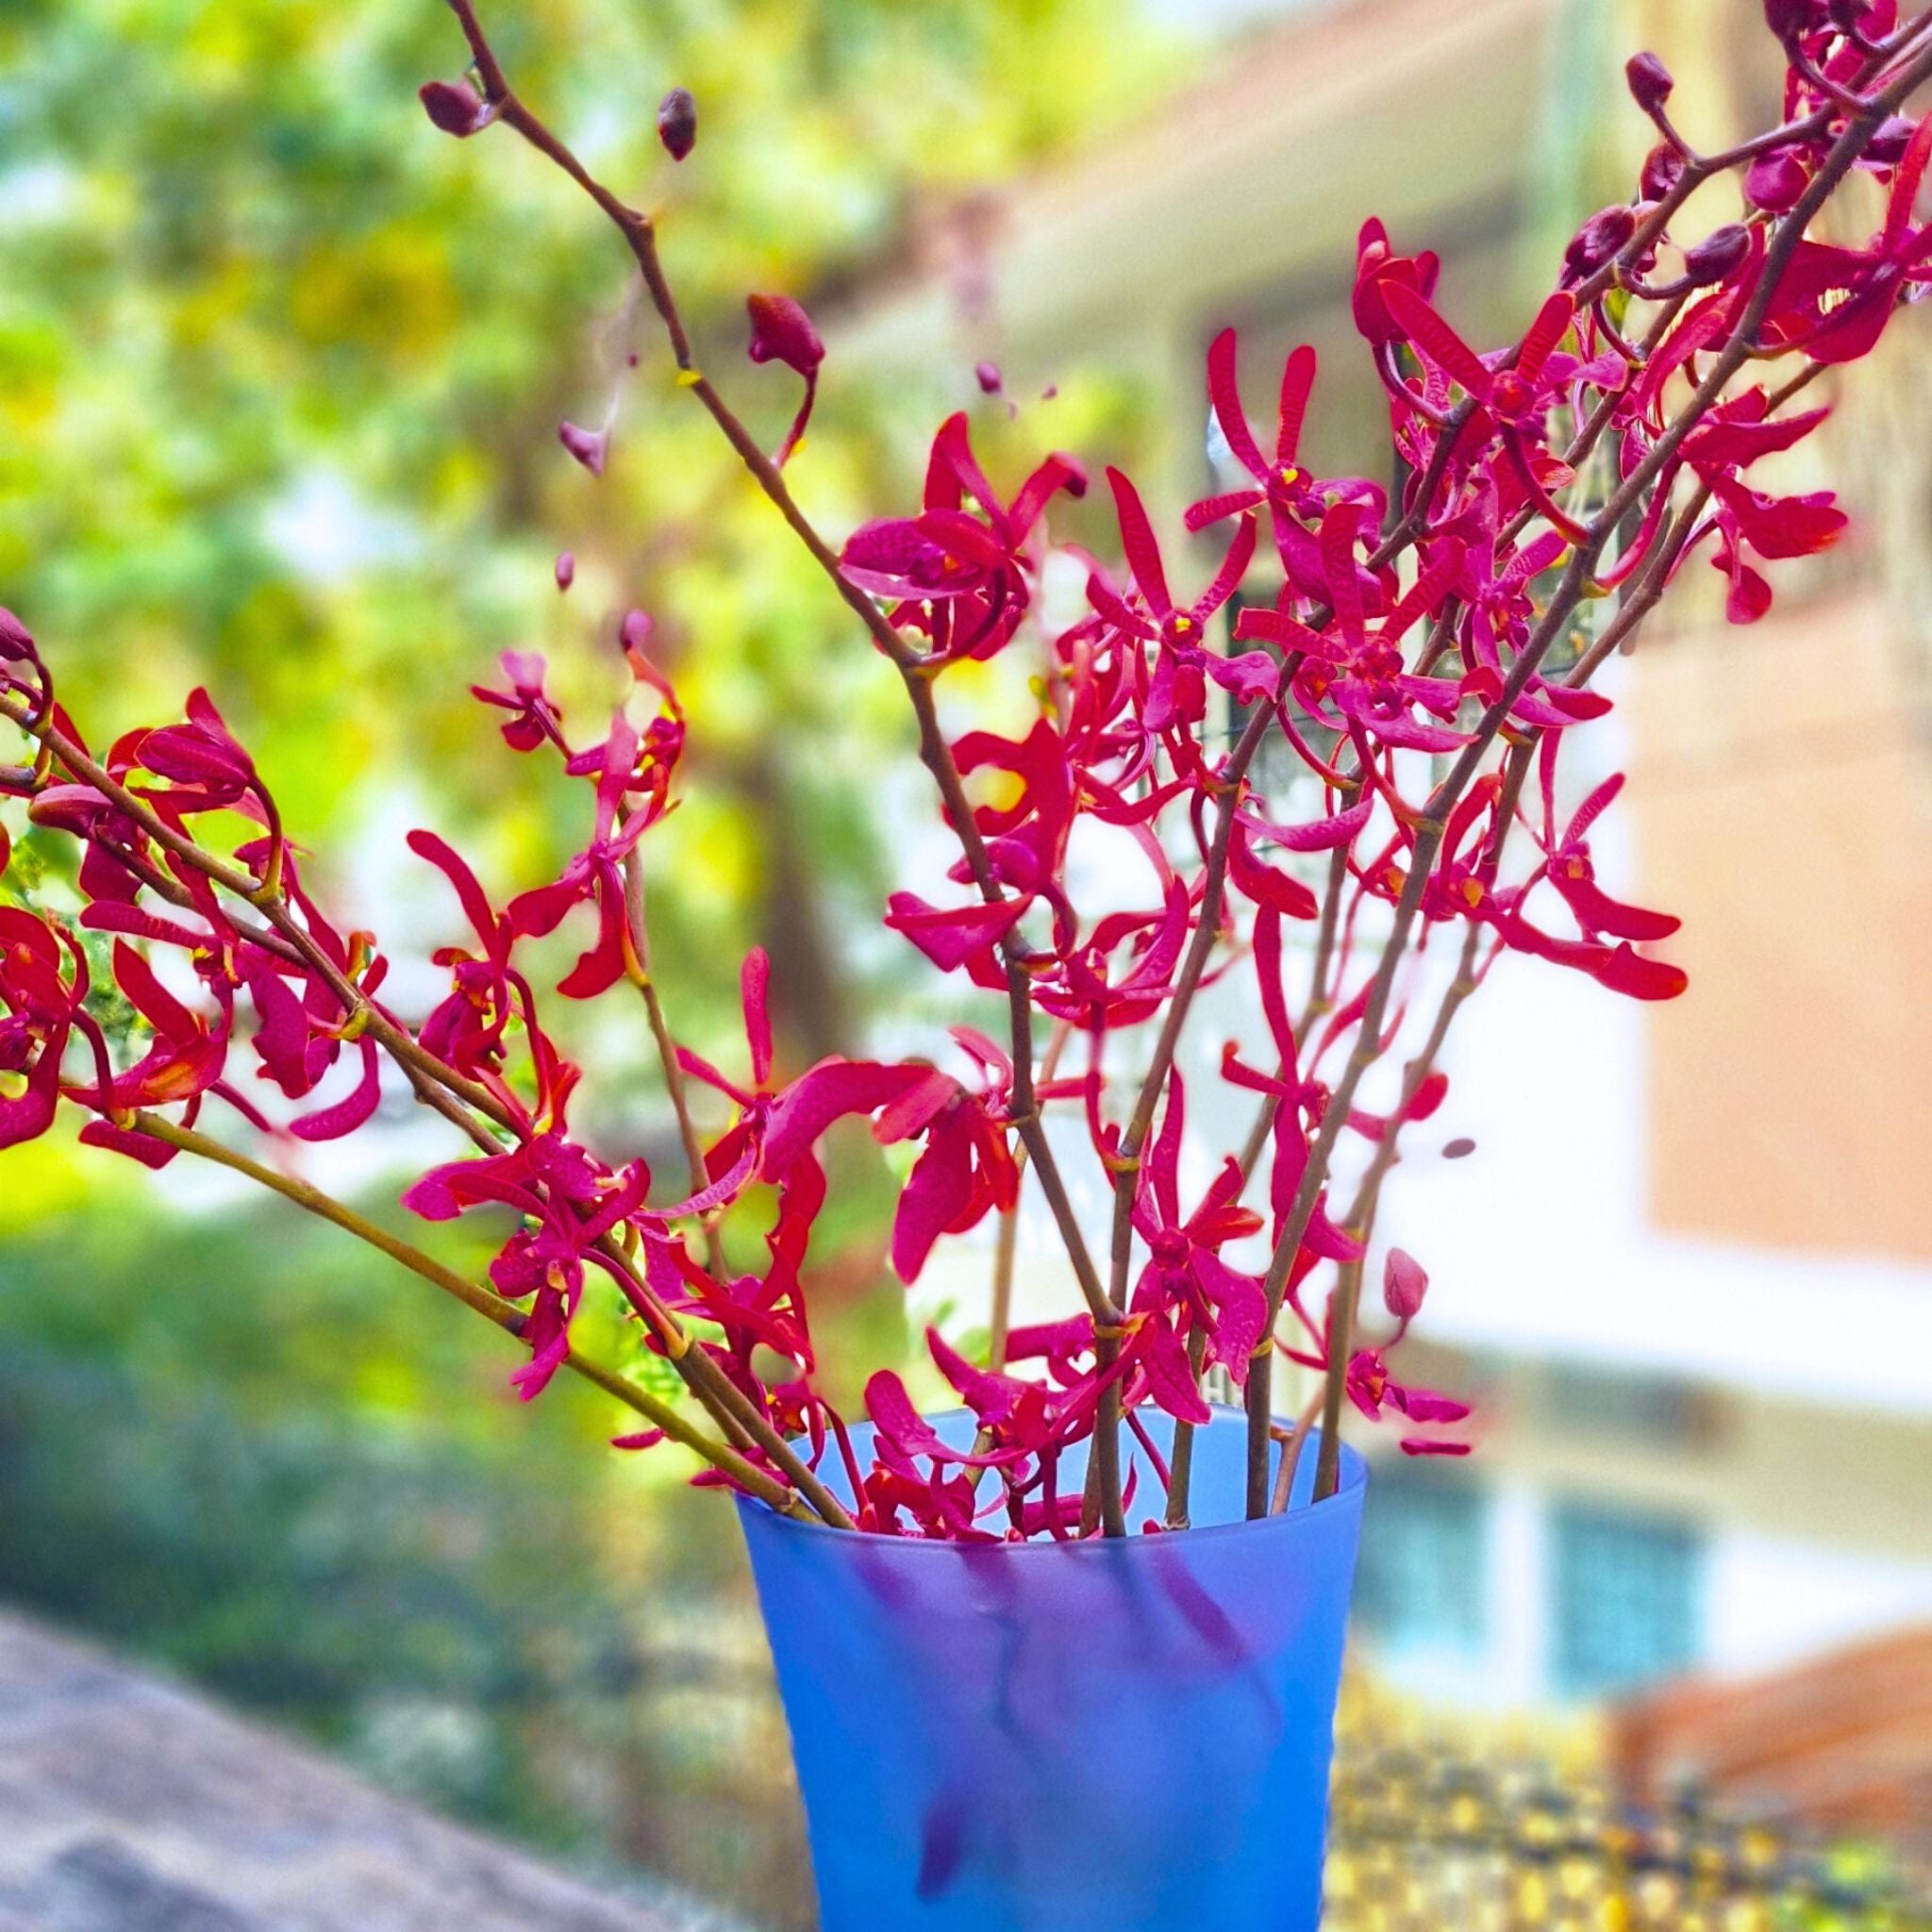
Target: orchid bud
(1650,81)
(16,640)
(1663,168)
(1886,147)
(453,106)
(1776,180)
(988,376)
(588,446)
(566,569)
(781,331)
(635,631)
(1404,1284)
(1596,243)
(1458,1149)
(677,122)
(1719,255)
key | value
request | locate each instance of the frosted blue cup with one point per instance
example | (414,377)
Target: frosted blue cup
(1125,1736)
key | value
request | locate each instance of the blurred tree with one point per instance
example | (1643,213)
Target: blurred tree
(281,369)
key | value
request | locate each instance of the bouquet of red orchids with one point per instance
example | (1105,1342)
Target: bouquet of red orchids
(1422,656)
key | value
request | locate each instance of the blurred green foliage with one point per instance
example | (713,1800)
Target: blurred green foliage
(280,374)
(281,369)
(263,1457)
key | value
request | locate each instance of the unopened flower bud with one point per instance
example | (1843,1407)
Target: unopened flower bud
(1776,180)
(1886,147)
(453,106)
(677,122)
(16,640)
(1720,254)
(1788,19)
(1404,1284)
(1663,168)
(988,376)
(1596,243)
(588,446)
(1458,1149)
(781,331)
(1650,81)
(566,569)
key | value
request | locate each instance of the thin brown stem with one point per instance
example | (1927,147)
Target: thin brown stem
(639,236)
(506,1315)
(1006,1247)
(1342,1304)
(382,1025)
(1292,1452)
(636,930)
(1181,1475)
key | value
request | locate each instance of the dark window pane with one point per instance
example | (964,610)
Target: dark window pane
(1626,1599)
(1423,1573)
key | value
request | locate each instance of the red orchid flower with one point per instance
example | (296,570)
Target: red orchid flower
(1774,528)
(1287,490)
(742,1142)
(1013,1414)
(1834,303)
(466,1031)
(1025,843)
(1082,990)
(42,1005)
(1515,393)
(533,718)
(968,574)
(1294,496)
(571,1201)
(1377,270)
(187,1054)
(1735,435)
(1363,677)
(203,763)
(595,874)
(1184,1270)
(966,1170)
(1567,866)
(1176,694)
(1370,1387)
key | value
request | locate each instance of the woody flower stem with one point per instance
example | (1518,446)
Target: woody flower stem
(1575,580)
(639,235)
(1360,1220)
(636,932)
(461,1100)
(506,1315)
(274,907)
(1127,1163)
(1005,1248)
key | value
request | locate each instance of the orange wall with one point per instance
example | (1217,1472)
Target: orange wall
(1781,799)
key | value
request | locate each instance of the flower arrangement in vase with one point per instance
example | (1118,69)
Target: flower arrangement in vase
(1067,1656)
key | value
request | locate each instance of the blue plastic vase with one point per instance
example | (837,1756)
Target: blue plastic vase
(1113,1736)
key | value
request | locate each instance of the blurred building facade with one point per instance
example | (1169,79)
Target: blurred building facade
(1689,1272)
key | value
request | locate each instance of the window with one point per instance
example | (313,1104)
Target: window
(1626,1599)
(1423,1576)
(1608,1404)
